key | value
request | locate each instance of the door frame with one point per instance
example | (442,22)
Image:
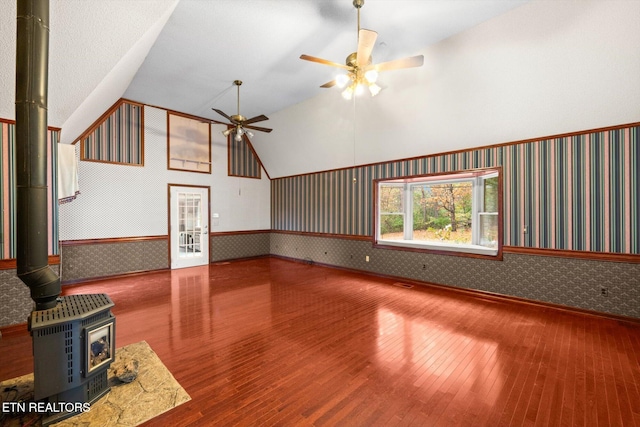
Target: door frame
(170,233)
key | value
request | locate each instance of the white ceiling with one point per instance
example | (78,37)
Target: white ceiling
(206,45)
(495,70)
(184,55)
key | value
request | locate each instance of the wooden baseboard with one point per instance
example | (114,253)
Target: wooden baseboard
(11,263)
(18,329)
(561,253)
(111,240)
(115,276)
(13,330)
(477,293)
(227,261)
(236,233)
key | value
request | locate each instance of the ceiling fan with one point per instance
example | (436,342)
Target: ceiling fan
(361,72)
(239,123)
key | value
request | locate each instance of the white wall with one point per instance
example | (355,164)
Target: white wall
(545,68)
(128,201)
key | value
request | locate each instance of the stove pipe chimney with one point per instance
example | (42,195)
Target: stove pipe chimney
(32,60)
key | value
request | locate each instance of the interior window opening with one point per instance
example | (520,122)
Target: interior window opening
(456,212)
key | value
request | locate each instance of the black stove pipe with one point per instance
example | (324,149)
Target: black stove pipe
(32,61)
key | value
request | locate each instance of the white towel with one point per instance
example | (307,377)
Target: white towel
(68,187)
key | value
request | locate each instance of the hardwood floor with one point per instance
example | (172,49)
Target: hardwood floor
(273,342)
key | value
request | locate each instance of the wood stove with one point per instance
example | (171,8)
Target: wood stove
(73,336)
(73,347)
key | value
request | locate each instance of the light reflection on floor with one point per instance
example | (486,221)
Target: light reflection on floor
(432,356)
(199,310)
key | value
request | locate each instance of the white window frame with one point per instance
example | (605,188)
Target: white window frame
(476,177)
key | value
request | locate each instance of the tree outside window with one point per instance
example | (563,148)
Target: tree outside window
(458,212)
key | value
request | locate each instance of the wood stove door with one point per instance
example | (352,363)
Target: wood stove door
(189,225)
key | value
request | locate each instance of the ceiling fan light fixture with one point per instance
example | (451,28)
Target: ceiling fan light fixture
(249,133)
(348,93)
(342,80)
(361,72)
(371,76)
(374,89)
(238,120)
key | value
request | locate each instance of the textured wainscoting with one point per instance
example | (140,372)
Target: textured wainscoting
(571,282)
(567,281)
(15,300)
(235,246)
(101,259)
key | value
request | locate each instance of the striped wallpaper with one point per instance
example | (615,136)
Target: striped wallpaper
(118,138)
(578,192)
(242,160)
(8,188)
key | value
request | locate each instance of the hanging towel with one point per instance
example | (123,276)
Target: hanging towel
(68,187)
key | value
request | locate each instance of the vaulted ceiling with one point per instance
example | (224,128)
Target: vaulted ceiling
(184,55)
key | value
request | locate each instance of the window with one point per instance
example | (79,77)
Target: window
(189,143)
(117,138)
(455,212)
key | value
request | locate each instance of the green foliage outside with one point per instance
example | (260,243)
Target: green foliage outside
(441,212)
(391,224)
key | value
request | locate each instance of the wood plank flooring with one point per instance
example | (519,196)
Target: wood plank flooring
(272,342)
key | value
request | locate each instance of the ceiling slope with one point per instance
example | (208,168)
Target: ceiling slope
(206,45)
(542,69)
(90,44)
(495,70)
(184,55)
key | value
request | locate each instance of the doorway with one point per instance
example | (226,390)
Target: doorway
(188,225)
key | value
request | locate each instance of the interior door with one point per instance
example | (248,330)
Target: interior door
(189,225)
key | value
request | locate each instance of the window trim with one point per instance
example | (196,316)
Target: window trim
(82,139)
(175,138)
(474,251)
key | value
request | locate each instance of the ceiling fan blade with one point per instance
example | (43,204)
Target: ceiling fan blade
(366,41)
(259,118)
(410,62)
(332,83)
(220,123)
(223,114)
(261,129)
(324,61)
